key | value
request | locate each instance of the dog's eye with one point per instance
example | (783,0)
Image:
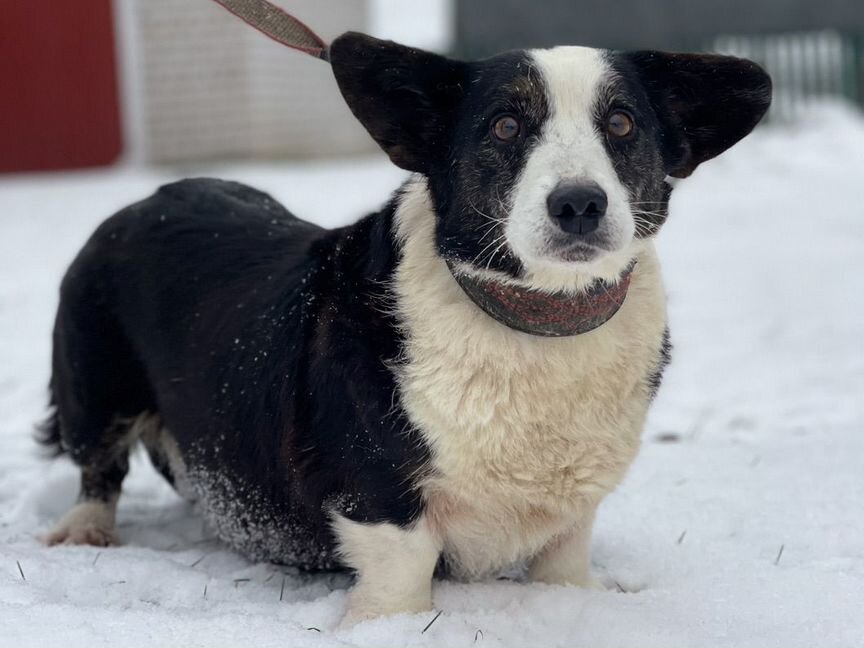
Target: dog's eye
(620,124)
(505,128)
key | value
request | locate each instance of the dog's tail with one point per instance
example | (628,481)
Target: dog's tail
(48,433)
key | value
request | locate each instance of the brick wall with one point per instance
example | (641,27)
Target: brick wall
(201,84)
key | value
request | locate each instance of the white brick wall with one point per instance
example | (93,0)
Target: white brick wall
(199,83)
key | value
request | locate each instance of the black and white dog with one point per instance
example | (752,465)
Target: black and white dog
(456,380)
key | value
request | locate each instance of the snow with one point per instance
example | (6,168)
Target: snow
(739,525)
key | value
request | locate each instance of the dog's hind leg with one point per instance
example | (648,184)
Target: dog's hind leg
(99,391)
(91,521)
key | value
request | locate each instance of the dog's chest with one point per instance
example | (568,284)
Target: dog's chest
(523,430)
(540,427)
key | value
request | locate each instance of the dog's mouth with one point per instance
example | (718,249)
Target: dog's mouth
(575,252)
(547,314)
(551,249)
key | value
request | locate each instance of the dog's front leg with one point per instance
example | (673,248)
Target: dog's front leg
(394,567)
(566,560)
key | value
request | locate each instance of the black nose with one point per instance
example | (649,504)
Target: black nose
(577,207)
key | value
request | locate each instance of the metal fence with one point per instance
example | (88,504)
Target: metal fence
(806,67)
(812,50)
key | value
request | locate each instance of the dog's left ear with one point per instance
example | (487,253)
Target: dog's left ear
(405,97)
(705,103)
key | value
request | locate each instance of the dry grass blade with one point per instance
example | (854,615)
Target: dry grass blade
(779,554)
(195,564)
(434,619)
(282,589)
(681,537)
(21,571)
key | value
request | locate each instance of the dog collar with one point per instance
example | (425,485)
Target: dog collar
(558,314)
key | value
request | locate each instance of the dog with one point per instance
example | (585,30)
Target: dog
(454,382)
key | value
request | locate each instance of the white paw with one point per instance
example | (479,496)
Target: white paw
(585,581)
(360,610)
(353,617)
(594,583)
(84,534)
(88,523)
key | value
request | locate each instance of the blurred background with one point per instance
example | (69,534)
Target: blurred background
(174,81)
(740,522)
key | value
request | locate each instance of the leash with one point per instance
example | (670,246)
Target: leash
(282,27)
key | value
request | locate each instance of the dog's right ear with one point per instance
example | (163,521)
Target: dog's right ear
(405,97)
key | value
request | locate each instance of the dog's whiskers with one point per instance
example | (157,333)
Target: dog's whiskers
(489,262)
(484,214)
(494,241)
(489,230)
(500,202)
(642,212)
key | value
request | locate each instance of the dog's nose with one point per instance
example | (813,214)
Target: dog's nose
(577,207)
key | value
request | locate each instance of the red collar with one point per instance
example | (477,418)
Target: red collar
(558,314)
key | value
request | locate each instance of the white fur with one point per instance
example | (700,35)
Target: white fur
(566,560)
(157,437)
(569,148)
(88,523)
(527,433)
(394,567)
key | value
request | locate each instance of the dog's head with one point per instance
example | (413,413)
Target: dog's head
(548,165)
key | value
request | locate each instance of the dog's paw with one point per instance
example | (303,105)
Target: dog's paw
(594,583)
(353,617)
(589,581)
(360,610)
(88,523)
(85,534)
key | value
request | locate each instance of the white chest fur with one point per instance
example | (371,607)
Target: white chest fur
(524,430)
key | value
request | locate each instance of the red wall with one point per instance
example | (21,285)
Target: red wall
(59,103)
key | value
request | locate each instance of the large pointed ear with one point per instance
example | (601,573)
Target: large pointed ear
(405,97)
(705,103)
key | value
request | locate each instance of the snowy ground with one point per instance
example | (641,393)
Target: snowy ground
(741,523)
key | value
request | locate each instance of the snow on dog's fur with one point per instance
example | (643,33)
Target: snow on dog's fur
(334,397)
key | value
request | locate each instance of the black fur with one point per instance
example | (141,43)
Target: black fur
(663,361)
(436,119)
(702,103)
(261,341)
